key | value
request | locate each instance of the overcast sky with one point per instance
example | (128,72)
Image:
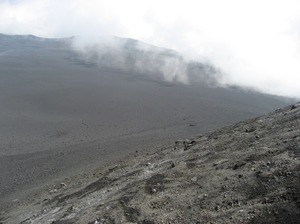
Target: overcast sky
(255,42)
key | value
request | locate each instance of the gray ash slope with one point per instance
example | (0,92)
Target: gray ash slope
(244,173)
(61,112)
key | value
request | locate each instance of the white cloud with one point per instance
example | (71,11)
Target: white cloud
(257,43)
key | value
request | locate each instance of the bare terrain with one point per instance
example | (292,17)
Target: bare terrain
(244,173)
(60,112)
(64,113)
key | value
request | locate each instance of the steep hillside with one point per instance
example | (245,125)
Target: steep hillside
(64,109)
(243,173)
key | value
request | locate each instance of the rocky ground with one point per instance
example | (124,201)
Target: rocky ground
(244,173)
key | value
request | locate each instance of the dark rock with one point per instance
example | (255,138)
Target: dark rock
(147,222)
(250,130)
(293,107)
(66,221)
(131,214)
(178,141)
(103,220)
(238,165)
(155,184)
(187,143)
(186,147)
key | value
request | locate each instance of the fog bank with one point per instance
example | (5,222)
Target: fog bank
(255,43)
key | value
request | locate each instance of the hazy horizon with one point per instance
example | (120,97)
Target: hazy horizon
(255,43)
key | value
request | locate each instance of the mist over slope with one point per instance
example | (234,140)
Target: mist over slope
(124,55)
(64,107)
(133,56)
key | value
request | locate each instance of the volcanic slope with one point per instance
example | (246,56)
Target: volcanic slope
(61,114)
(248,172)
